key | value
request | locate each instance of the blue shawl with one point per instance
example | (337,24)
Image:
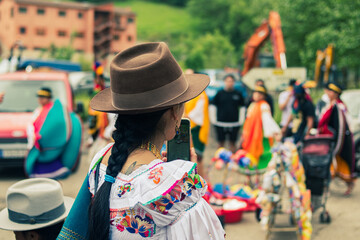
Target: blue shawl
(76,223)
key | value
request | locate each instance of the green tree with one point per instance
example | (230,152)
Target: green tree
(209,51)
(309,25)
(236,19)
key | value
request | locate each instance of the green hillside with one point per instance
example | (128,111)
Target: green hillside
(158,21)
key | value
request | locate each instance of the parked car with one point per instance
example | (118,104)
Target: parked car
(84,80)
(217,82)
(352,100)
(19,102)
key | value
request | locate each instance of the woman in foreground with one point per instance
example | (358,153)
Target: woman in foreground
(135,194)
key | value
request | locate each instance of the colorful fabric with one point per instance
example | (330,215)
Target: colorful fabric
(158,201)
(75,228)
(285,171)
(333,121)
(57,142)
(197,110)
(266,156)
(252,131)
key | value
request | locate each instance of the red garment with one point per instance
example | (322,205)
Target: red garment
(333,122)
(39,121)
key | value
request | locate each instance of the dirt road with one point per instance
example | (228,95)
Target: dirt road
(345,211)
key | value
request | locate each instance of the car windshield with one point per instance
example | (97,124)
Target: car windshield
(20,96)
(352,102)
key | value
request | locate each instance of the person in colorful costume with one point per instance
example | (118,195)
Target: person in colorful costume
(54,135)
(98,121)
(303,114)
(259,129)
(197,110)
(285,171)
(130,191)
(334,121)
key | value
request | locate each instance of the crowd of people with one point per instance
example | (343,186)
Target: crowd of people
(131,191)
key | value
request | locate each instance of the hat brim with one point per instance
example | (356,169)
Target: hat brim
(197,83)
(7,224)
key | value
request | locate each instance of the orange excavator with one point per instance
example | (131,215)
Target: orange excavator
(328,56)
(270,28)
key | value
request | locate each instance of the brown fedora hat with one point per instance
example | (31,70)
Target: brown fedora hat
(147,78)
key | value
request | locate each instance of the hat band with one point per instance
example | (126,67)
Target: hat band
(150,98)
(43,93)
(334,88)
(42,218)
(260,89)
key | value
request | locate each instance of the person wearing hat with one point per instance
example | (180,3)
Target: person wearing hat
(286,99)
(98,121)
(36,209)
(133,193)
(268,98)
(228,102)
(303,114)
(52,126)
(259,129)
(334,121)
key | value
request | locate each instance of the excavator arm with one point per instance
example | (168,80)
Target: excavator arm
(328,56)
(269,28)
(253,46)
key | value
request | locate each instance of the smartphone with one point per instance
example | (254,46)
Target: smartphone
(179,146)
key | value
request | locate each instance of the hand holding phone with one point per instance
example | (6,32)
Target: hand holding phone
(179,146)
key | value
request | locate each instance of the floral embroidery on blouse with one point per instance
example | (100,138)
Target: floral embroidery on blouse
(178,193)
(133,223)
(122,189)
(155,174)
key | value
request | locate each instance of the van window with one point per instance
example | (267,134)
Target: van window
(20,96)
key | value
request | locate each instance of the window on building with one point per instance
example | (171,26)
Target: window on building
(79,35)
(130,20)
(62,33)
(62,13)
(129,38)
(116,37)
(40,49)
(80,14)
(40,11)
(22,9)
(22,30)
(40,31)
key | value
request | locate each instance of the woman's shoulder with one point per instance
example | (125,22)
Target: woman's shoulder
(265,106)
(150,183)
(165,190)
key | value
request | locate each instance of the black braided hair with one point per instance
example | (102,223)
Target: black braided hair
(131,131)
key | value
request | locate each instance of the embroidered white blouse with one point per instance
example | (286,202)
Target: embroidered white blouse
(161,200)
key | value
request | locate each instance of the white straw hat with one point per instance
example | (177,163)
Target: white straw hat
(33,204)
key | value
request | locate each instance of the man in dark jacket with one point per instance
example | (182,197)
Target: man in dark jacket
(228,102)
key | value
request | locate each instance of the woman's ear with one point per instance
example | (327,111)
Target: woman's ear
(174,111)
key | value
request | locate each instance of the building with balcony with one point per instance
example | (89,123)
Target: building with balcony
(99,30)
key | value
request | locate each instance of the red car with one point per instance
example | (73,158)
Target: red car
(19,102)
